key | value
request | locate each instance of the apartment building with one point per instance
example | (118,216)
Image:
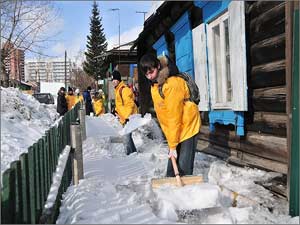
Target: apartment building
(14,63)
(52,70)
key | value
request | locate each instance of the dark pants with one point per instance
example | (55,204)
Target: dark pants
(129,144)
(88,108)
(185,158)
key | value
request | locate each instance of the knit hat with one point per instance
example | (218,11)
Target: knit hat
(116,75)
(77,91)
(62,89)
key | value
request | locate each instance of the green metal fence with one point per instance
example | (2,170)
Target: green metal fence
(26,184)
(294,172)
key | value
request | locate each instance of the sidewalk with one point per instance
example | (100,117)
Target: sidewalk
(117,188)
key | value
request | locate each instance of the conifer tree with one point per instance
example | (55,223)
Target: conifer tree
(96,46)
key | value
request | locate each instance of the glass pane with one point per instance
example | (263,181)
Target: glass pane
(228,75)
(217,63)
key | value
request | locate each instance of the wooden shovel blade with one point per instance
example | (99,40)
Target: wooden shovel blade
(186,180)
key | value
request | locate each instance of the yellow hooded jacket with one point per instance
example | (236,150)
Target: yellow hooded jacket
(125,105)
(179,118)
(78,98)
(71,101)
(98,106)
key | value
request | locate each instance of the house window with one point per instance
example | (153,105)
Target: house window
(219,53)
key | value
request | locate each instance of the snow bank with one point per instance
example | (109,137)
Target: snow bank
(57,176)
(23,121)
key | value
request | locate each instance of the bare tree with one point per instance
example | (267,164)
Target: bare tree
(25,25)
(79,79)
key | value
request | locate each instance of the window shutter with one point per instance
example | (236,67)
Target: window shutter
(212,73)
(161,46)
(200,65)
(238,61)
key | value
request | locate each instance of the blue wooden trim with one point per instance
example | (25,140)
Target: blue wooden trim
(200,4)
(161,46)
(227,117)
(184,44)
(211,9)
(182,21)
(131,69)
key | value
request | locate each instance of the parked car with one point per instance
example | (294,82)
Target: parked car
(46,98)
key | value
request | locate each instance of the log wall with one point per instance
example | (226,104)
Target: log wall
(266,76)
(265,142)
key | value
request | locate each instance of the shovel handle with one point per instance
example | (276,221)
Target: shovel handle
(175,168)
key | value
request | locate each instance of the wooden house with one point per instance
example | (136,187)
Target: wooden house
(239,53)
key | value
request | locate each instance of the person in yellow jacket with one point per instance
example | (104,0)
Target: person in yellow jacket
(98,104)
(179,117)
(71,99)
(125,106)
(78,96)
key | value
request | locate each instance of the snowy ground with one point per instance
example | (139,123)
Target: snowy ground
(23,121)
(117,188)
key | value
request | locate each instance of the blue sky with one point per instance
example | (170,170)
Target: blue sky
(74,21)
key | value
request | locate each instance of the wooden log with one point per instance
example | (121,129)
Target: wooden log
(270,123)
(212,149)
(268,24)
(272,99)
(277,120)
(267,146)
(268,50)
(240,158)
(268,75)
(259,162)
(259,7)
(269,92)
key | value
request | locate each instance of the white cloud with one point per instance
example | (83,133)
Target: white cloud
(126,37)
(154,6)
(74,49)
(59,48)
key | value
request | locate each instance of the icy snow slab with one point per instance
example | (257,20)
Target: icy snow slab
(135,121)
(191,196)
(98,127)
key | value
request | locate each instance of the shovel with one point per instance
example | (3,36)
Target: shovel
(177,180)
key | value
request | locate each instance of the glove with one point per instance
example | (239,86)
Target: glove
(114,112)
(172,152)
(126,121)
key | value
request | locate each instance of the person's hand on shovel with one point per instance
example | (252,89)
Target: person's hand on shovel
(173,156)
(172,152)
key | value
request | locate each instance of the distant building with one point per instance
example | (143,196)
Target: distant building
(52,70)
(14,63)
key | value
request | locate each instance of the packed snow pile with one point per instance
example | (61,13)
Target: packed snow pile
(117,188)
(23,121)
(135,121)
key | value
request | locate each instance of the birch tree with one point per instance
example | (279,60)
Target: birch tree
(25,25)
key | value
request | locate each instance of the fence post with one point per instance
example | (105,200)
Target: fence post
(32,187)
(82,123)
(16,166)
(8,197)
(25,187)
(76,143)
